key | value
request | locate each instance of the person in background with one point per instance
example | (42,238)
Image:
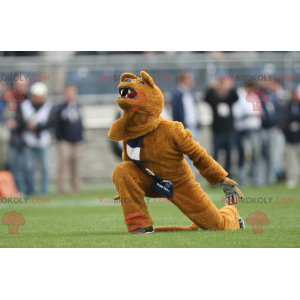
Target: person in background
(35,119)
(271,133)
(247,124)
(292,134)
(4,131)
(2,142)
(69,134)
(15,157)
(184,105)
(220,96)
(279,93)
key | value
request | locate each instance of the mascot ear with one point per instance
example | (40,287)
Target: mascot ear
(146,77)
(127,75)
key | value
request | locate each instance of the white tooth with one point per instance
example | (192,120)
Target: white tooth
(121,92)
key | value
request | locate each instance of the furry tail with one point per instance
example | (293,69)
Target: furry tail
(176,228)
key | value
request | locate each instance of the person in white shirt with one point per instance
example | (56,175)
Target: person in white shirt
(247,124)
(34,121)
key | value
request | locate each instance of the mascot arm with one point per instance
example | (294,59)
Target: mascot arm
(205,164)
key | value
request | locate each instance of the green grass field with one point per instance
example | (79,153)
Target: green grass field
(81,221)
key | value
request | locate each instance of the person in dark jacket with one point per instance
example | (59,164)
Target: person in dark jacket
(272,134)
(16,150)
(184,105)
(292,134)
(221,95)
(69,134)
(4,130)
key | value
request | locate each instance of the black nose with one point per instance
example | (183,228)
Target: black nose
(127,80)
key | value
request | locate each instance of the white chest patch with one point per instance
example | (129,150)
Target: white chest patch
(133,153)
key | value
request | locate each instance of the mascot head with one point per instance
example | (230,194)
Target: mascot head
(142,102)
(140,94)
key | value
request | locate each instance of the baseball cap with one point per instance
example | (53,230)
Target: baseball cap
(39,89)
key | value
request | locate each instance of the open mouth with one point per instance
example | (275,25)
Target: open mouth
(128,93)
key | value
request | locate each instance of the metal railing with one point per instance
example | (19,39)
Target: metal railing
(86,71)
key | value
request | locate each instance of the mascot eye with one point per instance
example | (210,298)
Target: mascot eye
(131,219)
(142,83)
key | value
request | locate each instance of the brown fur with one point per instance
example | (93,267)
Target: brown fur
(163,150)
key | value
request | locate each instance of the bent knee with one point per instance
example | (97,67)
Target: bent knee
(122,170)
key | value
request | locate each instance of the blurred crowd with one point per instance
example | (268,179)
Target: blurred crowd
(37,53)
(261,132)
(25,136)
(216,54)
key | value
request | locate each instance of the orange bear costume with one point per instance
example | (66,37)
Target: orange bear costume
(159,165)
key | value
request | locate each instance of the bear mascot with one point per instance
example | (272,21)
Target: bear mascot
(154,164)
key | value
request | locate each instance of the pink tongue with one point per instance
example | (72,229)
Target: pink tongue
(132,94)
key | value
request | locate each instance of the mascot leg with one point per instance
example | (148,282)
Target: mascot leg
(195,204)
(132,183)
